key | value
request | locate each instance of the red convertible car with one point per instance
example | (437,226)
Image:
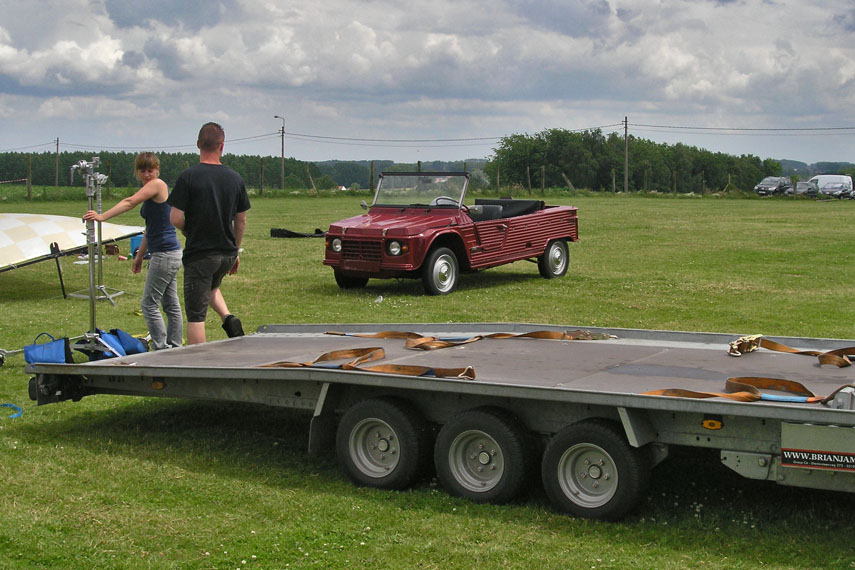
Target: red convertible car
(419,226)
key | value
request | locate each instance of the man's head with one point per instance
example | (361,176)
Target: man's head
(211,137)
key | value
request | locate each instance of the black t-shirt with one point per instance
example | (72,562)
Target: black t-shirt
(210,195)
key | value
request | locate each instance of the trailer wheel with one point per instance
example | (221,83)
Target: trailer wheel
(590,470)
(554,261)
(483,455)
(382,443)
(349,281)
(440,272)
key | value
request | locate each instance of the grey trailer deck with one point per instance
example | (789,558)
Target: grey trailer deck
(547,386)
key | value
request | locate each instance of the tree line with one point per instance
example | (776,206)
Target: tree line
(552,158)
(257,172)
(589,159)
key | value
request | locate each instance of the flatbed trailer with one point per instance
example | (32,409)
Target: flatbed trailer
(500,404)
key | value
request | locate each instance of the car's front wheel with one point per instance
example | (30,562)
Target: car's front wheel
(349,281)
(440,272)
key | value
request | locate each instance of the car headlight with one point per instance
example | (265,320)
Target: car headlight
(394,248)
(335,245)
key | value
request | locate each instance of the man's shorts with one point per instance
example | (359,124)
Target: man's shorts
(202,276)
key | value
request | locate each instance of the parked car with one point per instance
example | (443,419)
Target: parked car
(804,189)
(836,190)
(419,226)
(773,185)
(835,185)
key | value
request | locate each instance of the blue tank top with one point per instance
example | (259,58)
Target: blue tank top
(159,231)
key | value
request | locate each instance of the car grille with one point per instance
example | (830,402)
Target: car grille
(355,249)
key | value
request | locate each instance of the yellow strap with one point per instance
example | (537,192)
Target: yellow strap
(838,357)
(420,342)
(359,356)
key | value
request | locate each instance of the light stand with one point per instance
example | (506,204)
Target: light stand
(97,289)
(92,340)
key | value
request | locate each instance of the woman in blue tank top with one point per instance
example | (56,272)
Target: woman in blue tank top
(159,239)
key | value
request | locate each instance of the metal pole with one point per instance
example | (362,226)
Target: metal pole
(56,177)
(625,154)
(282,156)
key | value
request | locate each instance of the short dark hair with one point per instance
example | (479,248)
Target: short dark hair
(211,136)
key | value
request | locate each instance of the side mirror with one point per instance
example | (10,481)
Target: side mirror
(363,205)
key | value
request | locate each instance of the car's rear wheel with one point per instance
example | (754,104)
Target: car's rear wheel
(440,272)
(349,281)
(555,260)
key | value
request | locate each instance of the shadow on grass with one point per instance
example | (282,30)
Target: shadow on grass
(468,282)
(695,507)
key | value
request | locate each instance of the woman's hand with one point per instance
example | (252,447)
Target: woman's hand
(92,215)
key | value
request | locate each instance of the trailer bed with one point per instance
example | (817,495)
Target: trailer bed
(554,390)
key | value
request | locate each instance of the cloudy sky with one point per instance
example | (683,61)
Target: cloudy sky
(437,80)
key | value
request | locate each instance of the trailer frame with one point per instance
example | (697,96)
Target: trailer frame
(575,411)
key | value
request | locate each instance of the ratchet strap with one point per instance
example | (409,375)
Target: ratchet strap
(417,341)
(359,356)
(748,389)
(743,345)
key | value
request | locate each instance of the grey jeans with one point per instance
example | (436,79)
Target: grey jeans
(161,288)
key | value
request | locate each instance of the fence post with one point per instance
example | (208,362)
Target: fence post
(261,177)
(29,179)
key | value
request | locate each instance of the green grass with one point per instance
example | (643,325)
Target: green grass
(117,482)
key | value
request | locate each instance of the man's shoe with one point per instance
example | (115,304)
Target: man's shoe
(232,326)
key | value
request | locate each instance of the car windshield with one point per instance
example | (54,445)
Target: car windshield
(769,180)
(428,189)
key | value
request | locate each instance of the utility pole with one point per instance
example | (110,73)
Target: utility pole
(625,154)
(282,160)
(56,172)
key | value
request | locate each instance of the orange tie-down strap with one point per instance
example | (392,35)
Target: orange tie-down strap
(838,357)
(359,356)
(748,389)
(417,341)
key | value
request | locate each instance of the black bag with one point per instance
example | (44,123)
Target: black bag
(53,351)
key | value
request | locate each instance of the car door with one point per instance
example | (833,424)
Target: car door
(490,239)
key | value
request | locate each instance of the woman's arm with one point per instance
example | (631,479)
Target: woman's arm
(150,190)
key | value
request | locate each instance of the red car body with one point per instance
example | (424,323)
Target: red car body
(438,240)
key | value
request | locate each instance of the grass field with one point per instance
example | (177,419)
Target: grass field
(112,482)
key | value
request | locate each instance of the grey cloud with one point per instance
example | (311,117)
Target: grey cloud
(586,18)
(188,14)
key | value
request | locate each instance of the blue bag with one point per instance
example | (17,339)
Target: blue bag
(53,351)
(110,346)
(130,343)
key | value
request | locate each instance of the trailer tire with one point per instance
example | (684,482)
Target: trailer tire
(440,272)
(483,455)
(555,260)
(590,470)
(382,443)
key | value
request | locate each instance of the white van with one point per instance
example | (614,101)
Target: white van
(837,185)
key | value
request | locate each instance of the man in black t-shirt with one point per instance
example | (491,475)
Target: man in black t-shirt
(209,204)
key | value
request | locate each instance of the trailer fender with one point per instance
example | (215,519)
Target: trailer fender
(323,423)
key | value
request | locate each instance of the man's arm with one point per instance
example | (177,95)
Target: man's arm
(176,216)
(240,227)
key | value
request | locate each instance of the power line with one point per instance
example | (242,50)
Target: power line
(471,141)
(738,130)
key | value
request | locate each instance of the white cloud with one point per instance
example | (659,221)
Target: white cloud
(447,68)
